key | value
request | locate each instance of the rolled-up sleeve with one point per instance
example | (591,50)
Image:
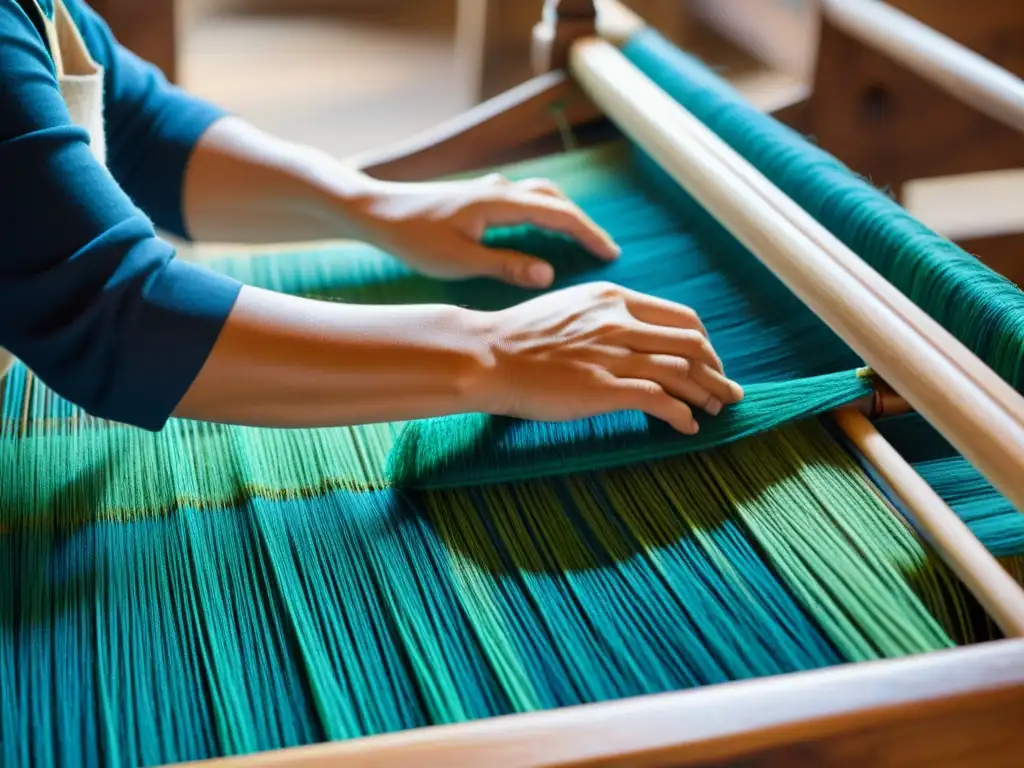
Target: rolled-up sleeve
(90,298)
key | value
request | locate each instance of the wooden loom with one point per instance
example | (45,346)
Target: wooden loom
(946,708)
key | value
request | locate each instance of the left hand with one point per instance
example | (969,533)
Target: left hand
(436,228)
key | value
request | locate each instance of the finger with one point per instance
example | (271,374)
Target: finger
(678,342)
(650,398)
(550,189)
(555,215)
(657,311)
(675,375)
(511,267)
(724,389)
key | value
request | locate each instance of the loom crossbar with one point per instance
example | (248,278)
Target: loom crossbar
(988,430)
(960,71)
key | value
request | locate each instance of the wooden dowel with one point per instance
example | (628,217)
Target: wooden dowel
(980,572)
(940,339)
(982,427)
(955,68)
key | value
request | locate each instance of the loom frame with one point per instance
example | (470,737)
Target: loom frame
(936,708)
(932,709)
(980,115)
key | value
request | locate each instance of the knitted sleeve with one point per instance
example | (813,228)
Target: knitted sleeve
(90,298)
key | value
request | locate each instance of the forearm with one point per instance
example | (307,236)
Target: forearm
(243,185)
(284,361)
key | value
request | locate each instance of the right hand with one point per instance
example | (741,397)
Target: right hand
(599,348)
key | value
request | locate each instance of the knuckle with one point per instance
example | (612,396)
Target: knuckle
(539,185)
(690,313)
(680,366)
(649,390)
(511,269)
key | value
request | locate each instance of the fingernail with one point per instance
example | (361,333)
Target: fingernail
(540,274)
(692,429)
(714,406)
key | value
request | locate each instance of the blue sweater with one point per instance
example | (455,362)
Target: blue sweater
(90,299)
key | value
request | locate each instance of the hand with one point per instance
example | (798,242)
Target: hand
(598,348)
(436,228)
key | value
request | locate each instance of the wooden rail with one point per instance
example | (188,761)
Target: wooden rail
(975,410)
(888,708)
(963,73)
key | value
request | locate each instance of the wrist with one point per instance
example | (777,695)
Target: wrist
(344,197)
(477,382)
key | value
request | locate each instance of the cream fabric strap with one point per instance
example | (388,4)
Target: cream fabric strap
(81,84)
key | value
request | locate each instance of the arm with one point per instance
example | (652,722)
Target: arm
(97,306)
(287,361)
(90,298)
(202,175)
(243,185)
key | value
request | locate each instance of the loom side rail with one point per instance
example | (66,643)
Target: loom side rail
(998,593)
(937,708)
(480,136)
(961,72)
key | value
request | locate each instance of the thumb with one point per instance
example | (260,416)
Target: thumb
(513,267)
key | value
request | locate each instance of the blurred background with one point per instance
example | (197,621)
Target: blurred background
(350,76)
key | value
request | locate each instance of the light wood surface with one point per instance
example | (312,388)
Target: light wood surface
(994,588)
(974,409)
(797,714)
(954,67)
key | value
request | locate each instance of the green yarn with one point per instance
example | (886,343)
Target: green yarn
(278,621)
(461,450)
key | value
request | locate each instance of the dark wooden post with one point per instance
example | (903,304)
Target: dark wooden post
(564,21)
(148,28)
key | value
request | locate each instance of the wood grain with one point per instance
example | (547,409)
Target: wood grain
(487,134)
(887,122)
(932,707)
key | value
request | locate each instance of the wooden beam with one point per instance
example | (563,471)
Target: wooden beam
(996,591)
(962,73)
(887,122)
(499,130)
(149,29)
(930,710)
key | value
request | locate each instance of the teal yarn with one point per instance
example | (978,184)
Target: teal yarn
(472,450)
(990,516)
(979,307)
